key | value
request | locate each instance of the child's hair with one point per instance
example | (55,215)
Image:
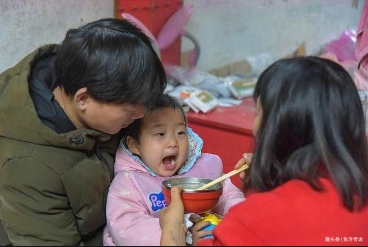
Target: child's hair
(312,124)
(114,60)
(163,101)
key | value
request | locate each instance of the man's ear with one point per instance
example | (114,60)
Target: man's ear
(82,98)
(132,145)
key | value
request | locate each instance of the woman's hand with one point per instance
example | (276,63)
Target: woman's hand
(172,221)
(246,159)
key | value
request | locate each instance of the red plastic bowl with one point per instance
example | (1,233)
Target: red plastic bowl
(194,201)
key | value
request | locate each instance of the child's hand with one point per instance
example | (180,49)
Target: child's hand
(198,233)
(246,159)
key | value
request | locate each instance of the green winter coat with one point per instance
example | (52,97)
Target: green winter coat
(52,186)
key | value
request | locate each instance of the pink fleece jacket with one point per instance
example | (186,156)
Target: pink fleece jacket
(361,48)
(135,199)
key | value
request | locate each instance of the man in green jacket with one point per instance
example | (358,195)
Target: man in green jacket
(62,109)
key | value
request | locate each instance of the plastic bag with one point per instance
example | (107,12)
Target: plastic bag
(359,75)
(344,46)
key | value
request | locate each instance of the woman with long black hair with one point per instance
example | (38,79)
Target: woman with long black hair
(308,179)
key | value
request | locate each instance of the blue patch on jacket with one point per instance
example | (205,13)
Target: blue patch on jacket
(157,201)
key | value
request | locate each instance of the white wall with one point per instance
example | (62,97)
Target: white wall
(28,24)
(228,30)
(232,30)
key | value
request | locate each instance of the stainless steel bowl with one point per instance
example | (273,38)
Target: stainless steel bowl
(191,184)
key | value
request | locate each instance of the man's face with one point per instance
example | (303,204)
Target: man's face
(110,118)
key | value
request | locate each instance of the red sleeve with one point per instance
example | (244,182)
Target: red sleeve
(232,232)
(206,242)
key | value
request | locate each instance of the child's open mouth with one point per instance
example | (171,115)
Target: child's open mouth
(169,162)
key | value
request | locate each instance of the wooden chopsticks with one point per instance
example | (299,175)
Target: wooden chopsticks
(223,177)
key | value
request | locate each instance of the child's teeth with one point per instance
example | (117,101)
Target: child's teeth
(172,161)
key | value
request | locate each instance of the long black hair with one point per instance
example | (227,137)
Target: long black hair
(312,125)
(114,60)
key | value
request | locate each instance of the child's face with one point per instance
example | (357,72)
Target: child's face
(163,142)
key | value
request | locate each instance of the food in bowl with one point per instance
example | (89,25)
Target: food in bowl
(195,201)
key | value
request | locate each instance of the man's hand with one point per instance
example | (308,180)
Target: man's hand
(172,221)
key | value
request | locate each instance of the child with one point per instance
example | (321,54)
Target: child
(156,147)
(308,179)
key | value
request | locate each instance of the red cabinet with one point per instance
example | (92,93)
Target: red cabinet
(226,132)
(154,14)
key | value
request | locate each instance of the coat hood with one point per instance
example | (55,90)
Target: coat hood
(18,116)
(126,161)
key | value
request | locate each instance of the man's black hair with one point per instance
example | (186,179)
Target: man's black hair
(114,60)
